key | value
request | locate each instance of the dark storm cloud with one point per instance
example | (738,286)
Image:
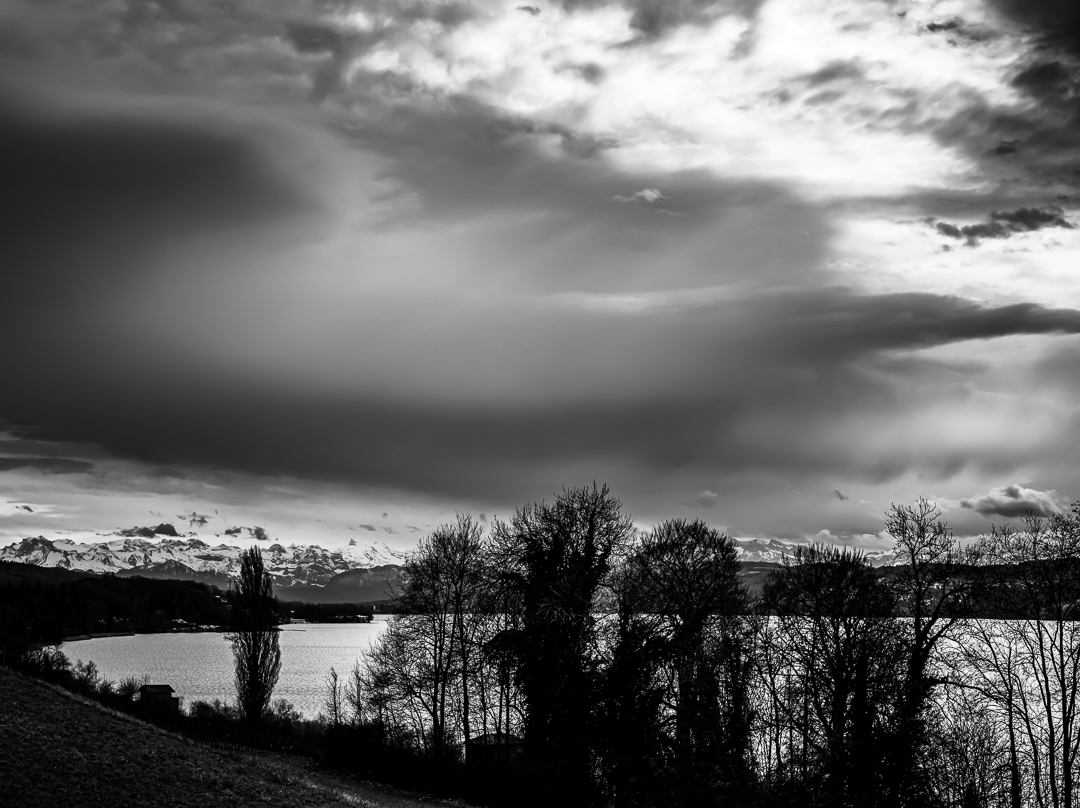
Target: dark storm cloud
(48,465)
(1025,150)
(804,361)
(87,195)
(650,391)
(1045,79)
(1057,22)
(957,29)
(545,333)
(1030,146)
(1012,501)
(1006,223)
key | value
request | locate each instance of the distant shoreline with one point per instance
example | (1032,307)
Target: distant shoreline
(99,634)
(96,634)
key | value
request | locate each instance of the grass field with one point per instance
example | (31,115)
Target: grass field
(58,750)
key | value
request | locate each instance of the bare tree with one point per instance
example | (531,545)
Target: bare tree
(967,764)
(500,700)
(333,700)
(445,585)
(256,654)
(835,648)
(930,586)
(355,696)
(405,681)
(418,680)
(1028,661)
(984,659)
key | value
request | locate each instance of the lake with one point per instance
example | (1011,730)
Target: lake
(199,666)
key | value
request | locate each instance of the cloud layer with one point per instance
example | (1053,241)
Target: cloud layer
(473,253)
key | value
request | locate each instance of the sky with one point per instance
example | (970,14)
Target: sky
(342,269)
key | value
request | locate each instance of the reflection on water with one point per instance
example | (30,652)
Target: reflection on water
(200,666)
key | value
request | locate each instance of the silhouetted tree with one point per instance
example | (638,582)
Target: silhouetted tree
(930,586)
(634,750)
(254,640)
(967,764)
(556,556)
(688,575)
(333,707)
(1028,662)
(425,661)
(835,642)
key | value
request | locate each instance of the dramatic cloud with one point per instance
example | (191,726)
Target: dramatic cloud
(1057,21)
(1011,501)
(285,258)
(1005,223)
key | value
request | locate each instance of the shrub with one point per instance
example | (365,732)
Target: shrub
(284,712)
(87,678)
(48,661)
(128,687)
(212,711)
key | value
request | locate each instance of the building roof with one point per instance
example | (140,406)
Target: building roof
(156,690)
(493,739)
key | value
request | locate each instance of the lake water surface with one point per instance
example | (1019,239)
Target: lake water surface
(200,666)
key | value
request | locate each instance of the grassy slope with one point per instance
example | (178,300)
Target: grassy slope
(57,749)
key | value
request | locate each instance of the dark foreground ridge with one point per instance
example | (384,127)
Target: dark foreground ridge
(58,749)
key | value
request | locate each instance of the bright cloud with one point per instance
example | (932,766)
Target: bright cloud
(645,195)
(842,98)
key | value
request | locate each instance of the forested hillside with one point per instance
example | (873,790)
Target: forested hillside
(43,605)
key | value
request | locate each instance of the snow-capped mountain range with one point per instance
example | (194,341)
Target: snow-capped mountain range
(170,556)
(774,551)
(358,572)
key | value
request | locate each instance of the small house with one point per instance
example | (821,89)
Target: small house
(493,749)
(159,699)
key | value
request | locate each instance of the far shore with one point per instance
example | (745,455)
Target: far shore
(95,635)
(98,634)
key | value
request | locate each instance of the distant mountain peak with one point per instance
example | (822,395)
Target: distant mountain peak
(131,553)
(775,551)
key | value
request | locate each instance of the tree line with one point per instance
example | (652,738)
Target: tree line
(570,658)
(40,605)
